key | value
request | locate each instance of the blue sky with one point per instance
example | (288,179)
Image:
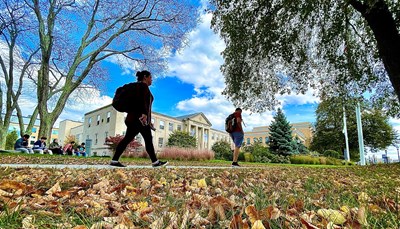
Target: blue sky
(193,83)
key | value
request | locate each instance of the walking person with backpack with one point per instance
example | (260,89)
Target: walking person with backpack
(136,99)
(233,125)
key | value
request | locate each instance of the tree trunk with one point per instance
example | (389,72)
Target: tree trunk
(381,21)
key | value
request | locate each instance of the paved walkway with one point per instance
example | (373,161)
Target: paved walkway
(62,166)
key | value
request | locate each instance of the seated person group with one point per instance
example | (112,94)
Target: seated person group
(54,148)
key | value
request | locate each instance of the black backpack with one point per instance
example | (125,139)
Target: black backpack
(230,123)
(124,97)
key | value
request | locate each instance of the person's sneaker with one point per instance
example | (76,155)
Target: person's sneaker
(159,164)
(117,164)
(235,164)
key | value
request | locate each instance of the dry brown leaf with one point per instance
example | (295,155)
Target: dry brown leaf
(237,222)
(27,222)
(361,216)
(80,227)
(307,224)
(14,185)
(102,185)
(199,221)
(272,212)
(56,188)
(4,193)
(252,213)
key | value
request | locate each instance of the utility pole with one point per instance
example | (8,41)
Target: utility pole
(346,154)
(360,134)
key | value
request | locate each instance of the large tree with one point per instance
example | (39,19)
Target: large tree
(76,36)
(279,46)
(15,68)
(280,139)
(377,132)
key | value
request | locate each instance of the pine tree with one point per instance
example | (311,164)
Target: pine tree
(280,135)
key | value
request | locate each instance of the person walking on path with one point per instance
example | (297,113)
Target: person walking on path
(22,145)
(237,136)
(138,120)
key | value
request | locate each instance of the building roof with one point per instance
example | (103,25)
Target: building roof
(189,116)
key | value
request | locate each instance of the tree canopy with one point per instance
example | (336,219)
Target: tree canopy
(377,132)
(276,47)
(65,43)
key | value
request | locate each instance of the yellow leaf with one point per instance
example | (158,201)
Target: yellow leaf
(345,209)
(202,183)
(363,197)
(258,225)
(334,216)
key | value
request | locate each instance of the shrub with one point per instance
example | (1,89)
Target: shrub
(248,157)
(181,139)
(331,153)
(304,159)
(178,153)
(133,146)
(222,150)
(241,156)
(11,139)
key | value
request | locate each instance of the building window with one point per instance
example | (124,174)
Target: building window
(98,119)
(170,126)
(193,132)
(254,140)
(54,132)
(213,136)
(32,142)
(160,142)
(34,129)
(217,137)
(90,121)
(153,121)
(266,140)
(108,116)
(179,127)
(95,139)
(77,137)
(260,140)
(105,135)
(161,125)
(248,141)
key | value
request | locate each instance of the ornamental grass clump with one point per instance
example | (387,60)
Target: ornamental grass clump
(178,153)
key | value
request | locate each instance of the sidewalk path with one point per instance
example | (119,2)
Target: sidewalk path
(62,166)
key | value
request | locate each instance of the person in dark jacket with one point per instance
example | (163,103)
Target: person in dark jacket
(22,145)
(138,120)
(55,147)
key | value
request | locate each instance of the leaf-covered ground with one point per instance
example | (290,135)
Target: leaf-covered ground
(262,197)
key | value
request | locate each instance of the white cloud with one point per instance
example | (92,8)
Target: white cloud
(199,64)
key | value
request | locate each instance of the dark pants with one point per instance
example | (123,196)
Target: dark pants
(131,131)
(56,151)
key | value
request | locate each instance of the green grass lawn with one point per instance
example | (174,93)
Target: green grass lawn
(261,196)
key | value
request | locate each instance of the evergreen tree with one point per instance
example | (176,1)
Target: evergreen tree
(181,139)
(280,135)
